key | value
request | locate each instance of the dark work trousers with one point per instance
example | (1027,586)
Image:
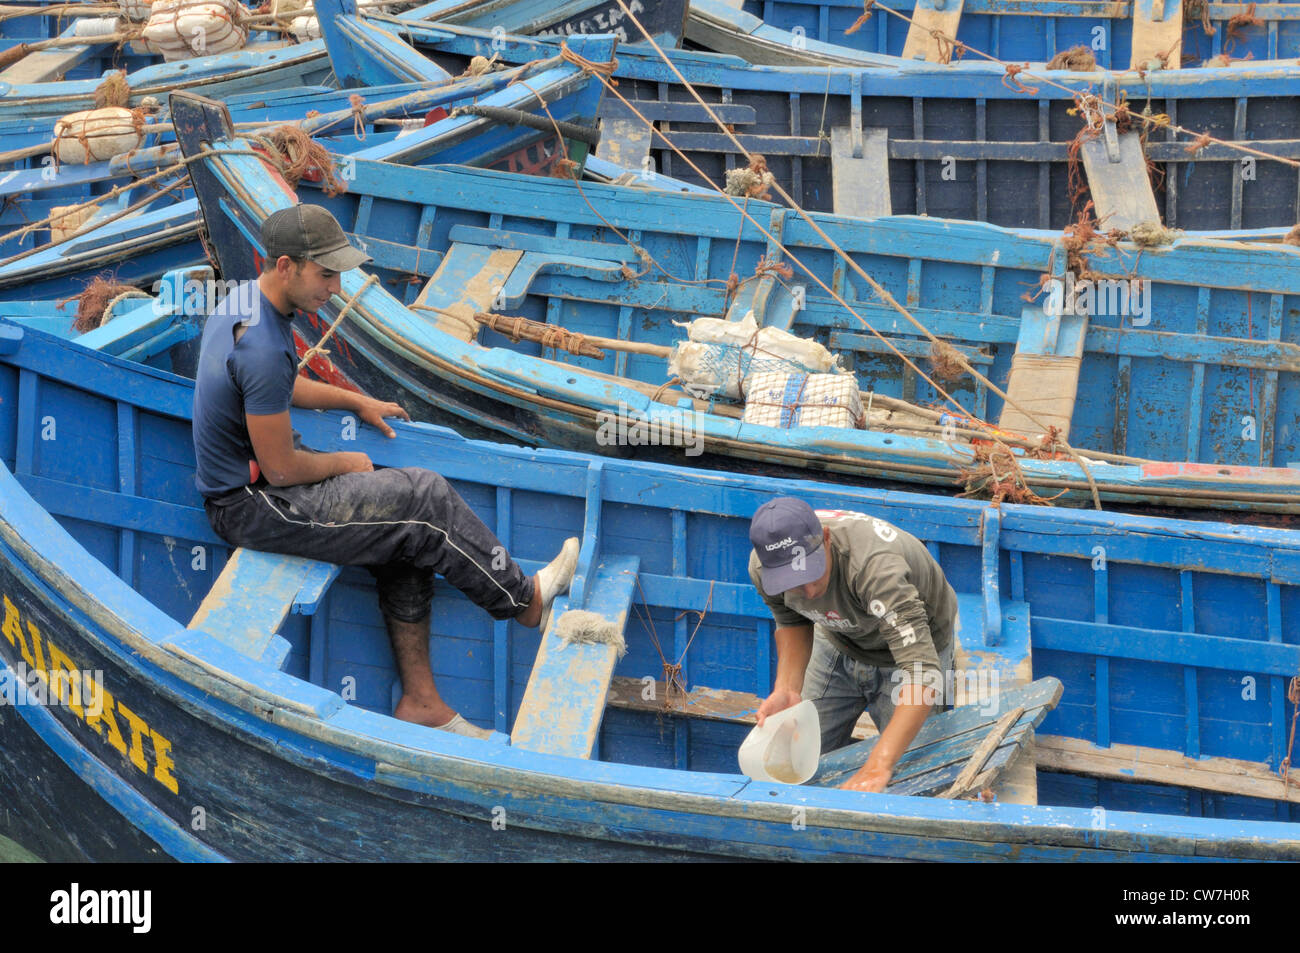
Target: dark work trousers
(402,524)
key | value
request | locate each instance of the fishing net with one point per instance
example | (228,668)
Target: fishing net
(945,361)
(1152,234)
(1078,59)
(95,303)
(113,91)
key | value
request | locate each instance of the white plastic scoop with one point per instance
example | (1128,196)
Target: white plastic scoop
(786,748)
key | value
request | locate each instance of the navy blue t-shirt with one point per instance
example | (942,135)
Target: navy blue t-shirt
(254,376)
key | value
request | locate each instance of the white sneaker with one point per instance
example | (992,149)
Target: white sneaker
(459,726)
(554,579)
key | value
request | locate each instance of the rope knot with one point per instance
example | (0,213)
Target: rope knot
(767,267)
(861,21)
(358,116)
(605,69)
(1014,69)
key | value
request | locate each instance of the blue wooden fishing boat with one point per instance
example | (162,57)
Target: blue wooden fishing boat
(159,330)
(336,119)
(665,21)
(1189,403)
(98,24)
(919,138)
(262,728)
(1015,30)
(259,67)
(500,123)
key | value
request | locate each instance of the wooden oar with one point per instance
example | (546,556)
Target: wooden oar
(15,53)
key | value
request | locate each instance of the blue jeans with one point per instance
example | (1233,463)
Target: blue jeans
(843,688)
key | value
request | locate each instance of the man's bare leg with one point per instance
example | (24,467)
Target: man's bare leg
(532,616)
(420,702)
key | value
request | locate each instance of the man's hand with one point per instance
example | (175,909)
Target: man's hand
(374,411)
(354,462)
(779,700)
(869,778)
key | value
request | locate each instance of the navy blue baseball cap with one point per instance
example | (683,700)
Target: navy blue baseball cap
(787,535)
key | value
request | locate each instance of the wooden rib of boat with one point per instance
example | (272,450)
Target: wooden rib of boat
(1196,393)
(273,714)
(918,138)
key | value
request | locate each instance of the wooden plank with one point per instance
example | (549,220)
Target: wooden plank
(1044,377)
(1118,180)
(1123,762)
(931,15)
(253,596)
(624,139)
(969,725)
(45,66)
(566,695)
(860,177)
(1041,694)
(981,756)
(1157,34)
(554,245)
(467,280)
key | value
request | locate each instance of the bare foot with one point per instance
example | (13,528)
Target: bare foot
(429,714)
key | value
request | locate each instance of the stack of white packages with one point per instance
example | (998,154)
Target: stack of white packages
(803,400)
(65,220)
(301,16)
(180,29)
(721,356)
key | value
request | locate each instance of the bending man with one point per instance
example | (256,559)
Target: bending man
(864,622)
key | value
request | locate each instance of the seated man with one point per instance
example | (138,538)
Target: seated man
(264,491)
(864,622)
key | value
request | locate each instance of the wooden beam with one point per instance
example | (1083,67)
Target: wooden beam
(981,755)
(1051,752)
(1118,181)
(1158,766)
(1157,34)
(943,16)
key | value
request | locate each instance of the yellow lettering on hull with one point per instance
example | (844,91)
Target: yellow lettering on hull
(69,686)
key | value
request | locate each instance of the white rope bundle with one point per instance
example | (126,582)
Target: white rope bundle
(102,26)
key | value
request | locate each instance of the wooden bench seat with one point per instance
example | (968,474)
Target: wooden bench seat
(253,596)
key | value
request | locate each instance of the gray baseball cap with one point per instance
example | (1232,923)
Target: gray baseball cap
(311,232)
(787,535)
